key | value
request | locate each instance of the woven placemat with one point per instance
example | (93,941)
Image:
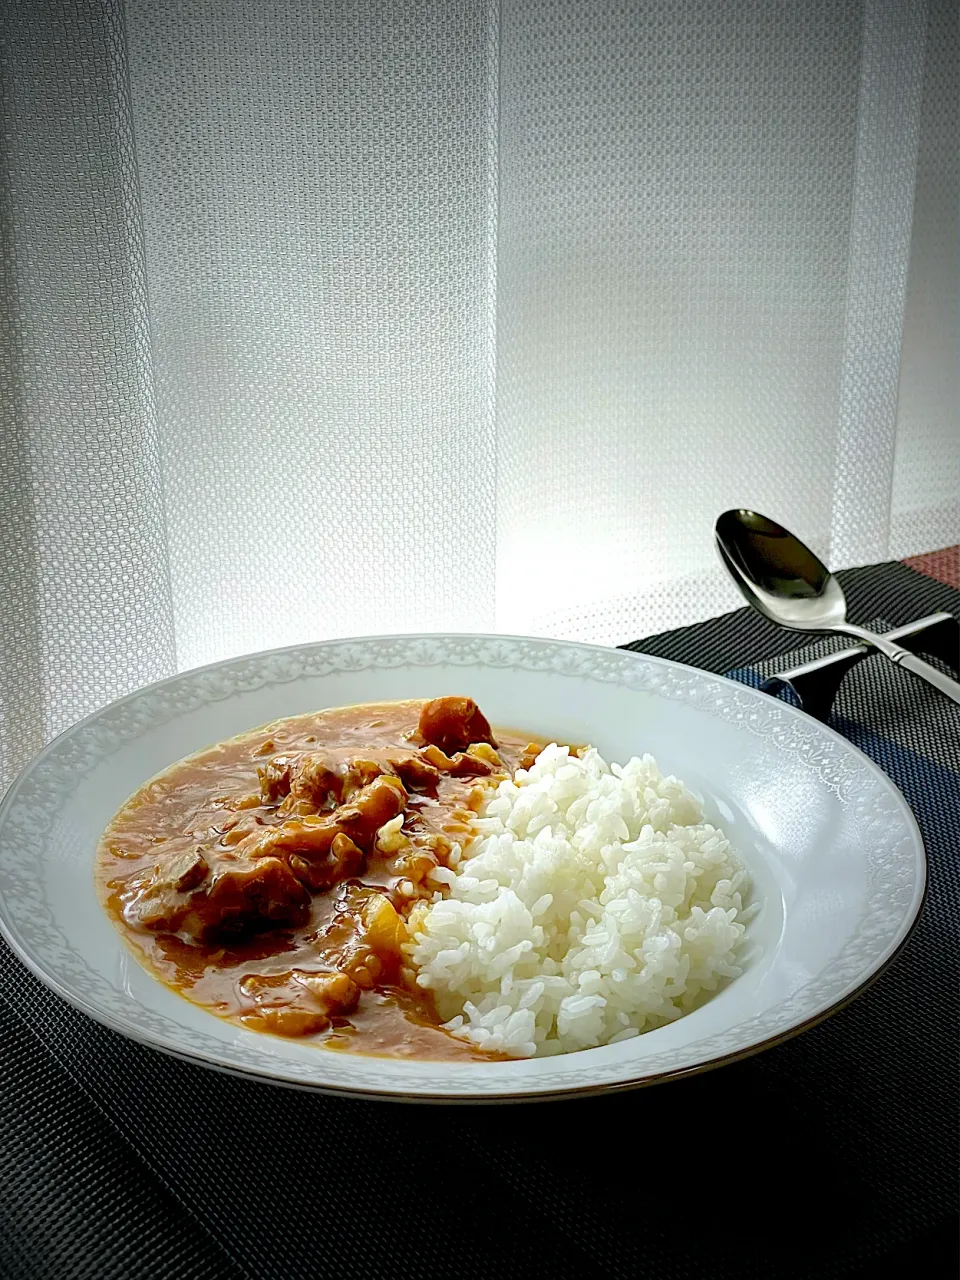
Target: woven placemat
(830,1156)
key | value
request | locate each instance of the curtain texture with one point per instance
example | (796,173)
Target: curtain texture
(324,317)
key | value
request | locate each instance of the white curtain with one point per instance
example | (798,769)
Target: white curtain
(324,317)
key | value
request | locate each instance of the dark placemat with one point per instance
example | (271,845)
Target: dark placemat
(830,1156)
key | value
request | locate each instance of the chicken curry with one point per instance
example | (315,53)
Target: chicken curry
(269,878)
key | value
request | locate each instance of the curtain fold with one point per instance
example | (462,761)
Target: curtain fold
(341,317)
(926,479)
(86,611)
(884,177)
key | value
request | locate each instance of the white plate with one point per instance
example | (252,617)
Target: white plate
(835,855)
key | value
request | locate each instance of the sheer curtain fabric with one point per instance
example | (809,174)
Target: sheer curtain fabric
(326,318)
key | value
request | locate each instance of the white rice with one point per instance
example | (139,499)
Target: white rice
(594,905)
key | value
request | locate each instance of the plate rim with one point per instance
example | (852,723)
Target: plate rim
(76,1000)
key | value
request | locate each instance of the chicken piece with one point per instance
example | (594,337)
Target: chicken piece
(318,780)
(343,862)
(298,1002)
(153,908)
(326,783)
(315,781)
(414,772)
(161,898)
(187,870)
(238,897)
(248,898)
(275,779)
(367,811)
(453,723)
(311,840)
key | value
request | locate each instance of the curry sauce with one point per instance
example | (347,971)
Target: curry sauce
(268,878)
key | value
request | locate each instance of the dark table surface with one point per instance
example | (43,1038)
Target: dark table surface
(834,1155)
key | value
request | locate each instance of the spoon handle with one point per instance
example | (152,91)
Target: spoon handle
(904,658)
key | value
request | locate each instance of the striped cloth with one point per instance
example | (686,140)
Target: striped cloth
(831,1156)
(942,566)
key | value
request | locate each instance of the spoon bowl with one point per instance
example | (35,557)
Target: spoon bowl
(782,579)
(779,574)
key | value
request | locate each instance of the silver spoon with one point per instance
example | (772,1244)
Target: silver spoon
(786,582)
